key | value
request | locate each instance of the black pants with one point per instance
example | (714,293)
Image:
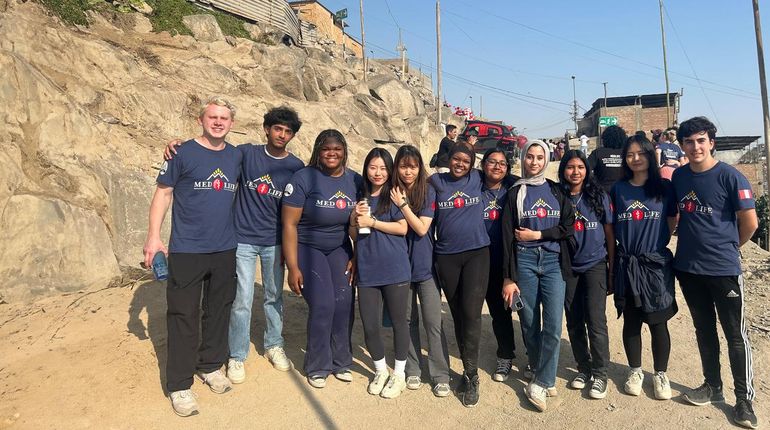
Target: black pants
(632,339)
(463,277)
(585,305)
(502,324)
(370,301)
(707,297)
(189,276)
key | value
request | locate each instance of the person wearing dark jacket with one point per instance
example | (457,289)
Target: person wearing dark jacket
(537,227)
(644,216)
(446,144)
(605,161)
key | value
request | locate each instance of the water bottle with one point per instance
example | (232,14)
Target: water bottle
(365,230)
(159,266)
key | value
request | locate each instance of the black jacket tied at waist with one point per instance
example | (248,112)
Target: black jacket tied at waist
(646,279)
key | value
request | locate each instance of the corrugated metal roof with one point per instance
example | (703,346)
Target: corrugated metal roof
(277,13)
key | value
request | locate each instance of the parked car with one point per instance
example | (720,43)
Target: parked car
(492,135)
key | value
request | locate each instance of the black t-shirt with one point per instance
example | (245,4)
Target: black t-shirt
(605,163)
(443,152)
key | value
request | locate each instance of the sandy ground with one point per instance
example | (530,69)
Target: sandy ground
(96,359)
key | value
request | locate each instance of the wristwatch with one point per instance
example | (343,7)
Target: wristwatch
(404,202)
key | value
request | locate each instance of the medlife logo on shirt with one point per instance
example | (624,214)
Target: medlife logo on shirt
(637,211)
(582,223)
(264,186)
(690,203)
(217,181)
(459,200)
(541,209)
(339,200)
(492,211)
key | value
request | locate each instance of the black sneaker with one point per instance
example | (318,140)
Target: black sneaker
(471,394)
(744,414)
(704,395)
(598,389)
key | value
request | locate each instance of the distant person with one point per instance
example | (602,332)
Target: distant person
(605,162)
(657,135)
(641,134)
(584,144)
(201,182)
(717,216)
(446,144)
(669,155)
(644,216)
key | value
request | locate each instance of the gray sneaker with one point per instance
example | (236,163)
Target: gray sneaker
(441,389)
(413,382)
(184,403)
(704,395)
(216,380)
(580,381)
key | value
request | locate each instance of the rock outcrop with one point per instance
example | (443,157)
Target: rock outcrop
(86,113)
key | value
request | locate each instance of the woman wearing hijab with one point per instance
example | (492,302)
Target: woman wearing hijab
(537,230)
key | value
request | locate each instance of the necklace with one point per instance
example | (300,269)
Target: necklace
(495,192)
(576,203)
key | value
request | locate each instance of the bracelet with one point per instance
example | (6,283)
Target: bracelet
(375,222)
(402,205)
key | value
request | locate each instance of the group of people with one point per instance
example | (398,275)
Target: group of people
(399,238)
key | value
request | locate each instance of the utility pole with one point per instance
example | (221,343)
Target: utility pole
(602,112)
(343,39)
(665,65)
(481,106)
(574,106)
(363,39)
(763,85)
(402,49)
(471,97)
(438,62)
(605,94)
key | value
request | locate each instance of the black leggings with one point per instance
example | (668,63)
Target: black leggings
(502,324)
(463,277)
(632,340)
(370,307)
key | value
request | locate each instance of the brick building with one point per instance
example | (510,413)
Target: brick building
(326,25)
(643,112)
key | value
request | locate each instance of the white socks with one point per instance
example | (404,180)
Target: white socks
(380,365)
(400,368)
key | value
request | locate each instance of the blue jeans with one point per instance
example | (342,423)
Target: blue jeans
(272,280)
(541,283)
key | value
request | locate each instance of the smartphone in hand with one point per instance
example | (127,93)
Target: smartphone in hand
(518,304)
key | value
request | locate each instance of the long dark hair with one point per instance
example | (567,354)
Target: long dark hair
(614,137)
(383,203)
(593,192)
(322,138)
(654,186)
(416,194)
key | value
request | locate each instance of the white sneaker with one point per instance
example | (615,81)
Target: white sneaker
(413,382)
(633,385)
(536,395)
(217,381)
(395,386)
(236,373)
(278,358)
(661,386)
(184,403)
(378,383)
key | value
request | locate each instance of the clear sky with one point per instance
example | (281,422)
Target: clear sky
(519,56)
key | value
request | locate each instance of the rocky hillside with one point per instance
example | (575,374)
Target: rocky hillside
(86,112)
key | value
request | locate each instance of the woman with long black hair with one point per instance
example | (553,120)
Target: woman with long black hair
(585,300)
(644,216)
(416,200)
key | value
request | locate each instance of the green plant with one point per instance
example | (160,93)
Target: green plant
(70,11)
(167,16)
(763,213)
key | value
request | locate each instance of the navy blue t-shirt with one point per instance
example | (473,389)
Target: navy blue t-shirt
(708,226)
(459,216)
(258,202)
(670,151)
(421,247)
(494,202)
(326,204)
(641,224)
(204,183)
(541,212)
(589,233)
(381,258)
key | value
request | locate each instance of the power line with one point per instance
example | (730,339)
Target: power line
(584,45)
(708,101)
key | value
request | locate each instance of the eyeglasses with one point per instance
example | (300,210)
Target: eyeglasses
(493,163)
